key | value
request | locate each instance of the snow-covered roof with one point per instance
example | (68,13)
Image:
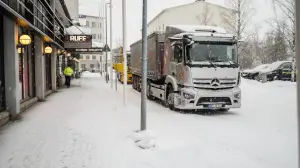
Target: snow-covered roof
(198,28)
(184,5)
(78,30)
(97,44)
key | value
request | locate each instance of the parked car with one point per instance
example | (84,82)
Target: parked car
(253,73)
(279,70)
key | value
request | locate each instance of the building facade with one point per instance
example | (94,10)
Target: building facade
(96,25)
(31,38)
(199,12)
(73,8)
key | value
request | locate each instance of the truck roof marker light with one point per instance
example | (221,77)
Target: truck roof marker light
(181,75)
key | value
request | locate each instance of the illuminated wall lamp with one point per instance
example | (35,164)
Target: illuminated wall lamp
(48,50)
(25,39)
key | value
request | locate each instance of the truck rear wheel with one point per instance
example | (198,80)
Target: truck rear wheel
(133,77)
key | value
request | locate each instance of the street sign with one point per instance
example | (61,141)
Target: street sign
(106,48)
(78,41)
(85,50)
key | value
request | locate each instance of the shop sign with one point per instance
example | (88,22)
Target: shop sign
(78,41)
(86,50)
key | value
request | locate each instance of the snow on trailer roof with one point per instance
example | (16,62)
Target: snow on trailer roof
(198,28)
(204,34)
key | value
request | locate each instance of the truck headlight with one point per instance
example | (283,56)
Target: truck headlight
(188,96)
(237,96)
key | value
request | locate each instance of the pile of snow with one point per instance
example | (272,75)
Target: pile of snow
(90,74)
(144,139)
(78,30)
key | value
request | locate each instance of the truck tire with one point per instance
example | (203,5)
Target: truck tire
(149,96)
(170,98)
(133,82)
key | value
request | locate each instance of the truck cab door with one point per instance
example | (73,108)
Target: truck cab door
(179,63)
(173,62)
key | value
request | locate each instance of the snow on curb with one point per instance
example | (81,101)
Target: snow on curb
(144,139)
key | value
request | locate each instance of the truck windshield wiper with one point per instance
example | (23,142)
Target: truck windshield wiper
(211,63)
(209,56)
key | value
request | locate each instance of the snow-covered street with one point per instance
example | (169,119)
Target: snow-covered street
(87,126)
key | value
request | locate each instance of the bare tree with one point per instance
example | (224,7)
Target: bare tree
(274,47)
(206,16)
(242,21)
(287,24)
(241,25)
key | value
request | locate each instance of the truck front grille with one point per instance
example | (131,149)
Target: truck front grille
(210,100)
(214,83)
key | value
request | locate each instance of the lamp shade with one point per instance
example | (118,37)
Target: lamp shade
(48,50)
(25,39)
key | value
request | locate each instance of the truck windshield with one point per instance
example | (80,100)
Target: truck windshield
(212,52)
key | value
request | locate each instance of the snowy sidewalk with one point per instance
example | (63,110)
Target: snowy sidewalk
(86,126)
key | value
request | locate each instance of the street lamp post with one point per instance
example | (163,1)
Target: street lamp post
(144,68)
(298,65)
(124,52)
(106,71)
(111,47)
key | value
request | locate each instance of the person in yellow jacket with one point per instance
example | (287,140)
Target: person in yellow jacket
(68,72)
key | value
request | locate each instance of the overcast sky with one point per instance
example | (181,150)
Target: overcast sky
(134,13)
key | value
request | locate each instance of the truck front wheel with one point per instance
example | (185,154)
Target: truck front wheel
(170,98)
(149,96)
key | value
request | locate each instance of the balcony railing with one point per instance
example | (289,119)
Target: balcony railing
(40,15)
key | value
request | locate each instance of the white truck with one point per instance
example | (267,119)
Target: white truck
(190,68)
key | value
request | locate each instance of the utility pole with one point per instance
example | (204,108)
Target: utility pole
(99,6)
(124,52)
(106,70)
(298,65)
(111,57)
(144,67)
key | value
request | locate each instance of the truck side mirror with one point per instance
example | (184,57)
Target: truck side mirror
(186,41)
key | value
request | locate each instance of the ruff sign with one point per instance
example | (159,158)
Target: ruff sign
(78,41)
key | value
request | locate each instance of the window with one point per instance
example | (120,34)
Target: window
(163,27)
(93,57)
(81,57)
(286,66)
(87,23)
(94,24)
(87,57)
(98,36)
(178,53)
(92,66)
(83,66)
(94,36)
(100,25)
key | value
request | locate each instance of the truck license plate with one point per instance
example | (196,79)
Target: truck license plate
(215,105)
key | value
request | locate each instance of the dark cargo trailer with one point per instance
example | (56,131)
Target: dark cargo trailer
(155,56)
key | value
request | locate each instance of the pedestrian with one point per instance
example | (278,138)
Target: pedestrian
(68,72)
